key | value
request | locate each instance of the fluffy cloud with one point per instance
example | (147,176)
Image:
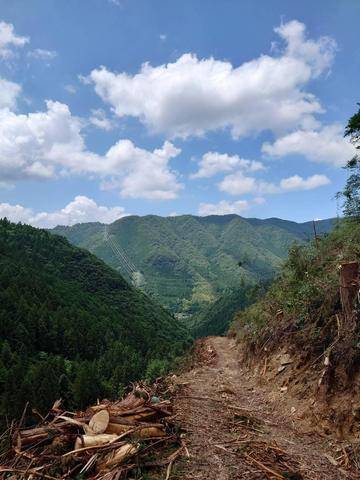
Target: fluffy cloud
(325,145)
(192,96)
(318,55)
(239,184)
(9,92)
(9,40)
(223,207)
(298,183)
(81,209)
(47,144)
(212,163)
(147,173)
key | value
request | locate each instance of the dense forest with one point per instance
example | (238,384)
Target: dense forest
(71,327)
(188,262)
(215,319)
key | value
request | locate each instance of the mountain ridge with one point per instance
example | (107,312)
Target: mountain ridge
(187,261)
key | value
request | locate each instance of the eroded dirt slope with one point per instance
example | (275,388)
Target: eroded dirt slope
(235,429)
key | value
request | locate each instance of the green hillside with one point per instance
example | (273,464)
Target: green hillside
(72,327)
(186,261)
(215,319)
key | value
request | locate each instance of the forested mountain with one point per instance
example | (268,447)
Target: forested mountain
(187,261)
(72,327)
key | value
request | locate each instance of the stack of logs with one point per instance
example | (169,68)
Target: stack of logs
(106,441)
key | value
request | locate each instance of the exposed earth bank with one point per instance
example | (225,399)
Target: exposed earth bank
(237,428)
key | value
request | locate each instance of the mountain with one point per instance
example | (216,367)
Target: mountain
(186,262)
(72,327)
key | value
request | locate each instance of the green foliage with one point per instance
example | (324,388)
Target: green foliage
(188,262)
(70,326)
(216,319)
(351,192)
(156,368)
(302,303)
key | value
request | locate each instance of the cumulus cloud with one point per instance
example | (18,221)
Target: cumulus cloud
(147,173)
(192,96)
(212,163)
(223,207)
(325,145)
(81,209)
(9,40)
(44,145)
(298,183)
(9,92)
(318,55)
(239,184)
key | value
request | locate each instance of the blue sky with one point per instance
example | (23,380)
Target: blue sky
(113,107)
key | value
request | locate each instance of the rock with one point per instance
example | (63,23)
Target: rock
(283,389)
(293,410)
(281,368)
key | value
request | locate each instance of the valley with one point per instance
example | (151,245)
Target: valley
(187,262)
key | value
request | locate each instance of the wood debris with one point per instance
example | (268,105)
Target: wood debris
(108,441)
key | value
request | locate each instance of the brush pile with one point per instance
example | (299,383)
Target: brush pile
(108,441)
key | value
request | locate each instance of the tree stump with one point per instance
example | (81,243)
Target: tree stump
(349,286)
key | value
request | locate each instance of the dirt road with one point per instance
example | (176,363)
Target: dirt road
(236,430)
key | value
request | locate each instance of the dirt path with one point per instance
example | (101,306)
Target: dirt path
(235,430)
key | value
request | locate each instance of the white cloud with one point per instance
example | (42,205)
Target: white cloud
(41,54)
(162,37)
(298,183)
(99,119)
(15,213)
(9,92)
(223,207)
(319,54)
(192,96)
(147,173)
(43,145)
(212,163)
(9,40)
(81,209)
(239,184)
(325,145)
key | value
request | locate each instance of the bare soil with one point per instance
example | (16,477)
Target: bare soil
(236,428)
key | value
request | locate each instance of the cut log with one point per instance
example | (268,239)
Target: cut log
(27,438)
(99,422)
(118,428)
(349,286)
(94,440)
(116,457)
